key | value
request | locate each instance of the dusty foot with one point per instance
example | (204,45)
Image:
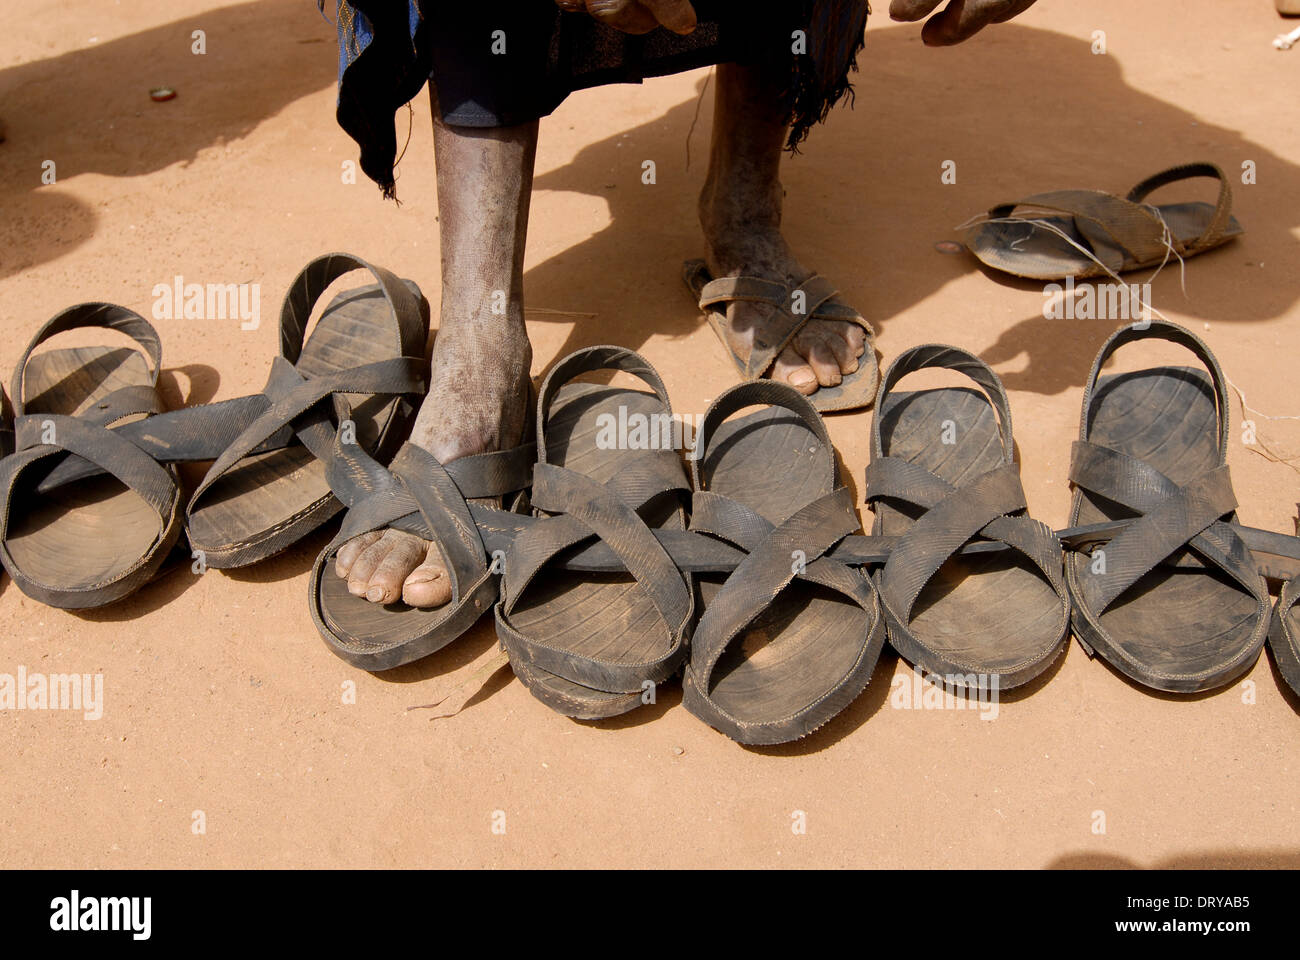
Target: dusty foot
(744,239)
(476,404)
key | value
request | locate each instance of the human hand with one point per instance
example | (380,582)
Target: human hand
(958,21)
(636,16)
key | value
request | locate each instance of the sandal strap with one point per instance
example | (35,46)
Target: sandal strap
(1171,516)
(942,530)
(761,393)
(1173,333)
(1218,225)
(1103,218)
(794,306)
(585,509)
(97,314)
(296,402)
(106,448)
(312,281)
(944,356)
(773,560)
(589,360)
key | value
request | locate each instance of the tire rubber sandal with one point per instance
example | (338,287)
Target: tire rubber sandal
(268,487)
(943,475)
(93,541)
(1122,233)
(811,300)
(590,645)
(1176,600)
(418,494)
(791,637)
(1284,634)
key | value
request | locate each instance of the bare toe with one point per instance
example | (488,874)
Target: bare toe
(428,584)
(814,344)
(403,553)
(347,556)
(846,354)
(855,337)
(793,369)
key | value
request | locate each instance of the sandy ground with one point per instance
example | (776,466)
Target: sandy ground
(221,698)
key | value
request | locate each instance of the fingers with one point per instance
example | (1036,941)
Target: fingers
(911,10)
(677,15)
(962,19)
(626,15)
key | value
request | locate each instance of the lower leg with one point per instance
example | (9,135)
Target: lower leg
(740,213)
(478,387)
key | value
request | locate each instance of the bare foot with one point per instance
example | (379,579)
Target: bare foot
(822,353)
(477,404)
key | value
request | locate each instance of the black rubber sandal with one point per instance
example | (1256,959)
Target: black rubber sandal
(96,540)
(1176,600)
(590,645)
(943,475)
(364,362)
(791,637)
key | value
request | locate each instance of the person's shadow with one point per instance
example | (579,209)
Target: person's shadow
(89,110)
(1018,110)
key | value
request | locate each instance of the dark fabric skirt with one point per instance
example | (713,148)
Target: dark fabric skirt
(511,63)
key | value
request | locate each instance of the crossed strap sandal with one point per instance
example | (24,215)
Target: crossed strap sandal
(793,307)
(943,478)
(85,544)
(791,637)
(362,371)
(1176,601)
(455,506)
(1121,233)
(595,645)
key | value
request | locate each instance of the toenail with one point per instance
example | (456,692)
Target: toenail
(803,378)
(356,589)
(375,594)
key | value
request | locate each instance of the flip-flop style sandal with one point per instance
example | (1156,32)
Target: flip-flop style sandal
(88,543)
(810,300)
(791,637)
(1120,233)
(590,645)
(943,476)
(268,487)
(1175,601)
(443,504)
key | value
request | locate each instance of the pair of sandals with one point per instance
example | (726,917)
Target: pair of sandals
(1162,580)
(92,503)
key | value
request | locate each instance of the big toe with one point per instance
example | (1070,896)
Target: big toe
(793,369)
(428,585)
